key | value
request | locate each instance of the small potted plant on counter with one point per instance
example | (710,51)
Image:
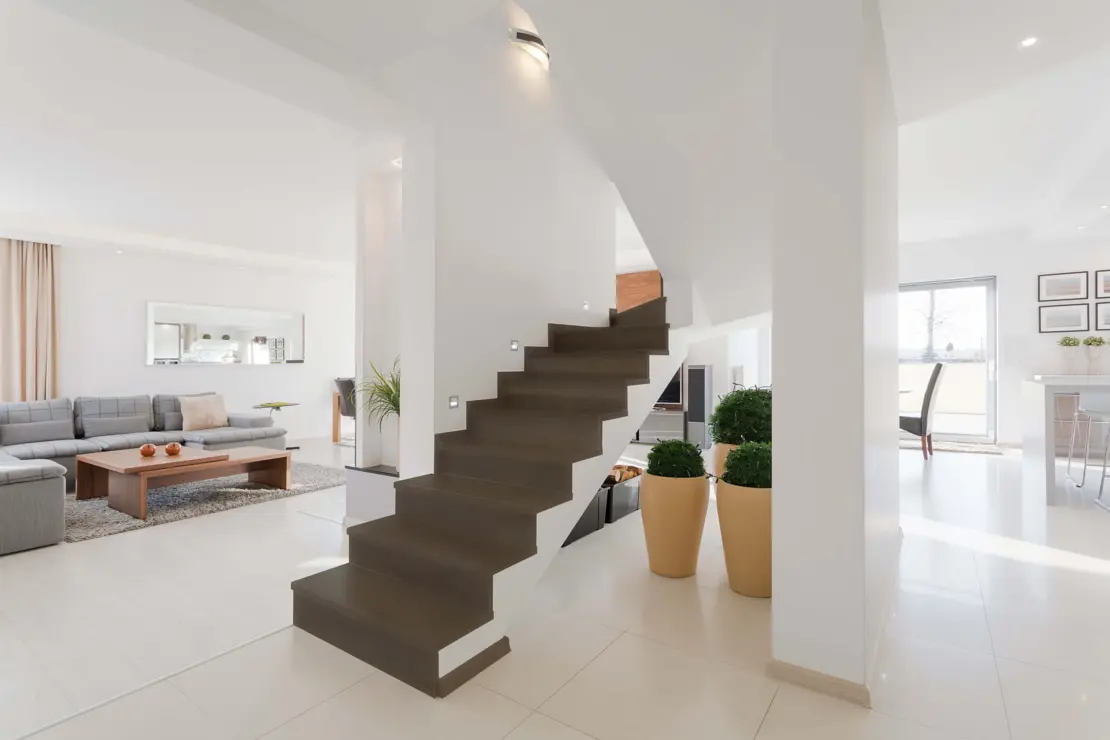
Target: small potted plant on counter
(1070,347)
(744,415)
(1094,345)
(744,510)
(674,497)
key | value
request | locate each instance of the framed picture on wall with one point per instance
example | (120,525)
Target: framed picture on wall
(1102,284)
(1064,318)
(1102,316)
(1063,286)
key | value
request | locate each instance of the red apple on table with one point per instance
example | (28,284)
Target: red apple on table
(173,448)
(147,450)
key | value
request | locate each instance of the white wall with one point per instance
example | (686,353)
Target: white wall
(715,353)
(525,221)
(1015,261)
(102,330)
(835,535)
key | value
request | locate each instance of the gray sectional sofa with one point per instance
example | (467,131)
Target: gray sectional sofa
(40,441)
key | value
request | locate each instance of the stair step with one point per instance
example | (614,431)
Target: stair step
(565,337)
(410,550)
(652,313)
(545,467)
(394,626)
(629,364)
(565,390)
(497,420)
(477,509)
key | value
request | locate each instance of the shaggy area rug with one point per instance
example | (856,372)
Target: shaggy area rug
(87,520)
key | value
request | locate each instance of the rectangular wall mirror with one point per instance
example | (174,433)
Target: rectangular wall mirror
(182,334)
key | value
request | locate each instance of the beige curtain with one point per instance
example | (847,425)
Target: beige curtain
(28,321)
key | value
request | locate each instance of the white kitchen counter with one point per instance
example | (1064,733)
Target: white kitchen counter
(1042,483)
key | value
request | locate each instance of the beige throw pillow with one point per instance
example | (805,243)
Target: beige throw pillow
(202,412)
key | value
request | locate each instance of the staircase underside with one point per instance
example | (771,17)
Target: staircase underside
(422,580)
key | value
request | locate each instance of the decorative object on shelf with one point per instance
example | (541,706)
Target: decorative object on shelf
(744,510)
(226,337)
(148,450)
(1070,347)
(1063,286)
(205,336)
(674,497)
(1094,345)
(1064,318)
(1102,284)
(173,448)
(275,406)
(743,415)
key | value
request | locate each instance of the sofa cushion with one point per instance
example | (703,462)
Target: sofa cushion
(21,412)
(203,412)
(109,407)
(249,420)
(167,411)
(133,441)
(23,471)
(228,435)
(35,431)
(120,425)
(51,450)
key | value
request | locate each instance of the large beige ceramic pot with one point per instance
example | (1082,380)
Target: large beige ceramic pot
(673,512)
(745,515)
(720,454)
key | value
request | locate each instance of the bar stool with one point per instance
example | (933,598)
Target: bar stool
(1090,417)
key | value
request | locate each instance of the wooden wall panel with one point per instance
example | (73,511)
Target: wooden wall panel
(634,288)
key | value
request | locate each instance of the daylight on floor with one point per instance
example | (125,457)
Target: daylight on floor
(610,244)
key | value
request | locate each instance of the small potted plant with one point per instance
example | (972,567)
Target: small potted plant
(1070,346)
(1094,345)
(744,415)
(744,510)
(674,497)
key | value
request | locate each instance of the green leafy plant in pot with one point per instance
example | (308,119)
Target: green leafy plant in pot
(744,415)
(674,497)
(744,510)
(381,396)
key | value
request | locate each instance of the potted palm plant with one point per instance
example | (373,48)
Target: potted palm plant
(744,415)
(744,510)
(381,396)
(674,497)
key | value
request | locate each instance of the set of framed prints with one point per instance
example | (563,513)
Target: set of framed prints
(1061,291)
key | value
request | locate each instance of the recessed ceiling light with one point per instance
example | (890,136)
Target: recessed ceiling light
(1080,228)
(1104,207)
(119,251)
(397,163)
(532,44)
(1030,41)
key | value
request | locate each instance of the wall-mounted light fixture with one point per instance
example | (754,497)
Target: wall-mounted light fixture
(452,402)
(514,345)
(533,44)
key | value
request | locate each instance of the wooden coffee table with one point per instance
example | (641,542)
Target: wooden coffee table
(124,476)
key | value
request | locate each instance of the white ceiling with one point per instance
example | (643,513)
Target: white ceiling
(995,137)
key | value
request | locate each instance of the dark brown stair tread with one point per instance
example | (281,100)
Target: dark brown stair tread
(411,539)
(558,380)
(517,498)
(508,407)
(418,616)
(463,441)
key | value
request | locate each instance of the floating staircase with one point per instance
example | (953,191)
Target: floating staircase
(426,590)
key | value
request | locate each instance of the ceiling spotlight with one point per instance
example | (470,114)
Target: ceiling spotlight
(397,163)
(1104,207)
(119,251)
(532,44)
(1028,42)
(1080,228)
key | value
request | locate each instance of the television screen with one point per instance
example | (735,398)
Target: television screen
(673,392)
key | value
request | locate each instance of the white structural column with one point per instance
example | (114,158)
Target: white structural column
(836,534)
(377,325)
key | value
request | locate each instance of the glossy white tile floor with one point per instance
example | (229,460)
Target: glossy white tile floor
(995,633)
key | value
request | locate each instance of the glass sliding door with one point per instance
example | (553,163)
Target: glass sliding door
(951,322)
